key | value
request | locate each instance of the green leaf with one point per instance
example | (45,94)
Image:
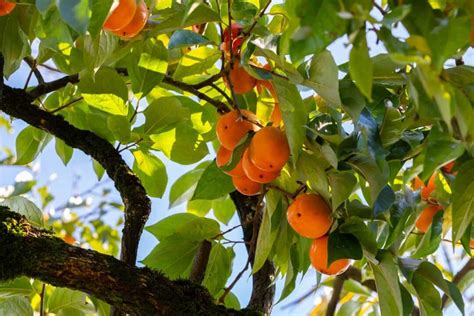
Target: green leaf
(98,169)
(26,208)
(63,298)
(441,148)
(447,38)
(163,114)
(186,38)
(185,226)
(224,210)
(463,200)
(173,256)
(213,184)
(294,114)
(219,268)
(16,306)
(151,171)
(13,43)
(360,68)
(64,151)
(182,144)
(100,10)
(196,62)
(428,297)
(267,234)
(17,287)
(384,200)
(386,281)
(29,143)
(106,91)
(431,273)
(391,129)
(342,185)
(371,172)
(146,66)
(75,13)
(310,170)
(183,188)
(397,14)
(43,5)
(120,127)
(353,101)
(323,78)
(355,226)
(343,246)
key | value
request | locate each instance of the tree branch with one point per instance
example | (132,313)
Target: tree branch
(336,294)
(136,291)
(201,259)
(263,288)
(17,103)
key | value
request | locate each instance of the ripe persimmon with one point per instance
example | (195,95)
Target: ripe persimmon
(6,7)
(309,215)
(222,158)
(255,174)
(121,16)
(417,184)
(426,217)
(269,149)
(231,127)
(318,254)
(428,189)
(276,116)
(69,239)
(246,186)
(137,24)
(241,81)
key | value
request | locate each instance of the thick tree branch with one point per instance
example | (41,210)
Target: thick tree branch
(137,291)
(51,86)
(17,103)
(263,291)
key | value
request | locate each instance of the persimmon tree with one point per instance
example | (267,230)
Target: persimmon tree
(360,170)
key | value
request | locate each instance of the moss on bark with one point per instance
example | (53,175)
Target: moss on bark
(28,251)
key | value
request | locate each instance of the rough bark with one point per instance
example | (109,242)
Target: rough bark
(18,103)
(137,291)
(201,259)
(263,288)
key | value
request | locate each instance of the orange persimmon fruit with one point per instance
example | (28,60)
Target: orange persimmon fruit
(121,16)
(231,127)
(255,174)
(246,186)
(222,158)
(318,255)
(309,215)
(426,217)
(137,23)
(241,81)
(269,149)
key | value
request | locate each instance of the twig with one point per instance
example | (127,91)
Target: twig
(130,145)
(33,65)
(226,96)
(43,289)
(66,105)
(376,5)
(237,278)
(277,188)
(227,231)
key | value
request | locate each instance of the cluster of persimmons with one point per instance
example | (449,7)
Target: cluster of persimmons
(426,217)
(265,156)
